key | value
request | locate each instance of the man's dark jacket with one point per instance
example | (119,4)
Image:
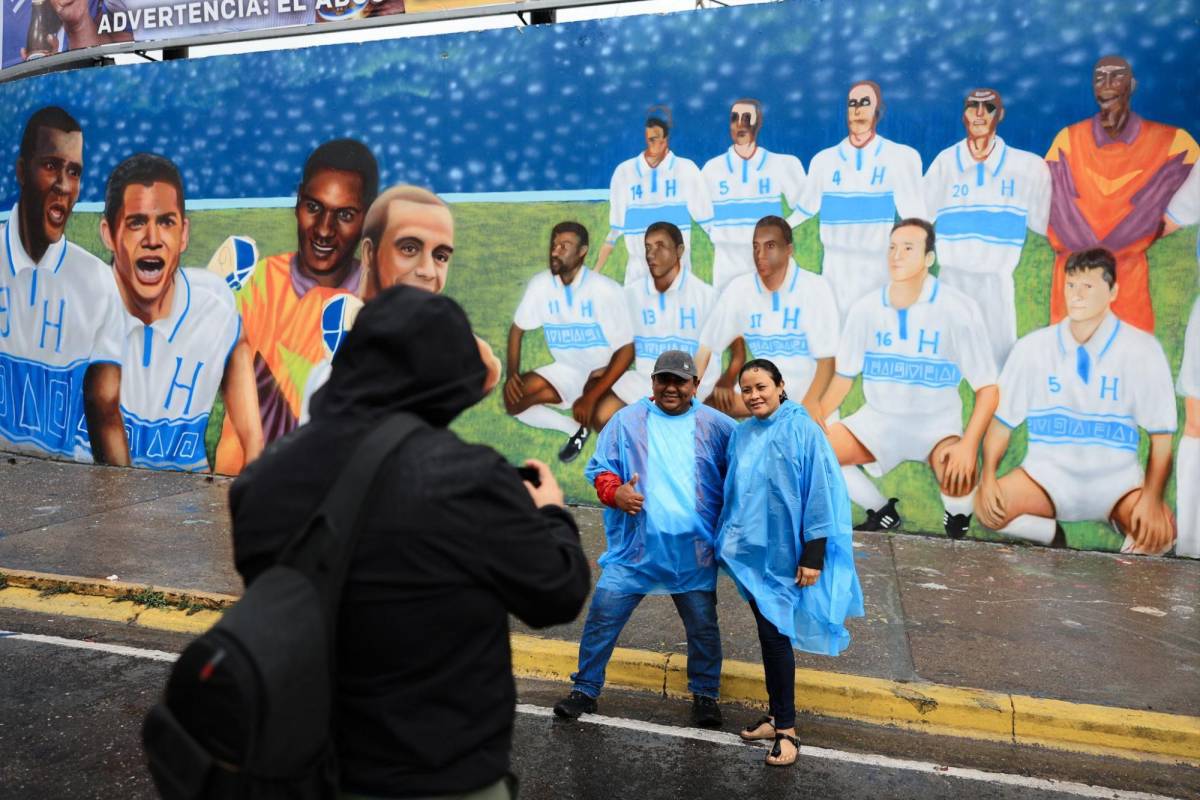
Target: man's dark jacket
(451,545)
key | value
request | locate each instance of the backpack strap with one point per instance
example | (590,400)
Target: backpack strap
(325,558)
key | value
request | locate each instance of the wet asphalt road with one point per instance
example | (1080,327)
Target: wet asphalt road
(70,728)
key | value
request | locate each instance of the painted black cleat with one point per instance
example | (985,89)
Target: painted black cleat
(956,525)
(574,446)
(885,519)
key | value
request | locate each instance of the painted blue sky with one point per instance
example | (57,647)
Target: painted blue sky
(557,107)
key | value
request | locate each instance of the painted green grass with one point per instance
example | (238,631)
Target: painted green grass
(499,247)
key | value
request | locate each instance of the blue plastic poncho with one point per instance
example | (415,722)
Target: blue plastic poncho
(680,461)
(784,488)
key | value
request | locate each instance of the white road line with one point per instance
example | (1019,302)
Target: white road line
(701,735)
(865,759)
(79,644)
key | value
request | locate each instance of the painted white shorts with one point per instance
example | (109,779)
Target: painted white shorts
(894,438)
(1079,498)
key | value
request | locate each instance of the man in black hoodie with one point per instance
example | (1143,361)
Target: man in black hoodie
(453,541)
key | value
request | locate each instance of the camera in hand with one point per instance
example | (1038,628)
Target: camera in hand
(530,474)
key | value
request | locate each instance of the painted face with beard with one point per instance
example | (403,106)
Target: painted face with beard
(1113,85)
(567,253)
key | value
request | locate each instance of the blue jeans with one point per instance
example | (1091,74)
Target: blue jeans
(611,610)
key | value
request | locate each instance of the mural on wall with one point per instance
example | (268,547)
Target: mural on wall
(1003,364)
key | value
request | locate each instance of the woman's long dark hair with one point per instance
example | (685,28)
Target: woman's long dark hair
(767,367)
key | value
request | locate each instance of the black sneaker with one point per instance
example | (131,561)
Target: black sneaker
(705,712)
(574,446)
(574,704)
(956,525)
(885,519)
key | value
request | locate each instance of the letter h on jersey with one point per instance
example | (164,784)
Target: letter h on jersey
(933,343)
(46,323)
(190,388)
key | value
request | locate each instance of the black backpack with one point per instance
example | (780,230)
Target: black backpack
(248,707)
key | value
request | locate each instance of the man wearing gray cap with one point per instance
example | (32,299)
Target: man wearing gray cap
(659,468)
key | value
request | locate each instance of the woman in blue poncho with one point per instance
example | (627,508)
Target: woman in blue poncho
(784,538)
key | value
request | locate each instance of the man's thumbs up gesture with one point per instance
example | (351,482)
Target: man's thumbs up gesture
(628,498)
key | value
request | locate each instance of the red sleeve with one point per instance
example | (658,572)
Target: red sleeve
(606,484)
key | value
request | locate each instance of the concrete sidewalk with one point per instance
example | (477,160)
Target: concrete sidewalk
(1010,621)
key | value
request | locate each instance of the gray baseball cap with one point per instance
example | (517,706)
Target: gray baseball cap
(675,362)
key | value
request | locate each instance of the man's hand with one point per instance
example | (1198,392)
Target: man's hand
(514,389)
(989,503)
(71,12)
(548,492)
(723,394)
(959,464)
(628,498)
(1152,530)
(583,408)
(806,576)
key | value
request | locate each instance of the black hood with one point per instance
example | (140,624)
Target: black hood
(409,350)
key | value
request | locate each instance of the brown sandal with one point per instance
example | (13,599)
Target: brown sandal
(750,732)
(777,751)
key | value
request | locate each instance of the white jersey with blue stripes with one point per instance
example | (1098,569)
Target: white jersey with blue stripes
(1083,403)
(640,195)
(173,370)
(913,359)
(583,322)
(744,190)
(982,208)
(57,317)
(794,326)
(858,192)
(670,320)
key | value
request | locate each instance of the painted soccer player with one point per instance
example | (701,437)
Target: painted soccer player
(407,239)
(857,187)
(183,338)
(668,310)
(781,312)
(586,325)
(1112,177)
(282,301)
(60,315)
(914,341)
(655,185)
(1083,387)
(1187,466)
(746,183)
(982,195)
(1185,210)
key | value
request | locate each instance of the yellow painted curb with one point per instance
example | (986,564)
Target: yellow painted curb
(931,708)
(1080,726)
(926,707)
(102,588)
(108,609)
